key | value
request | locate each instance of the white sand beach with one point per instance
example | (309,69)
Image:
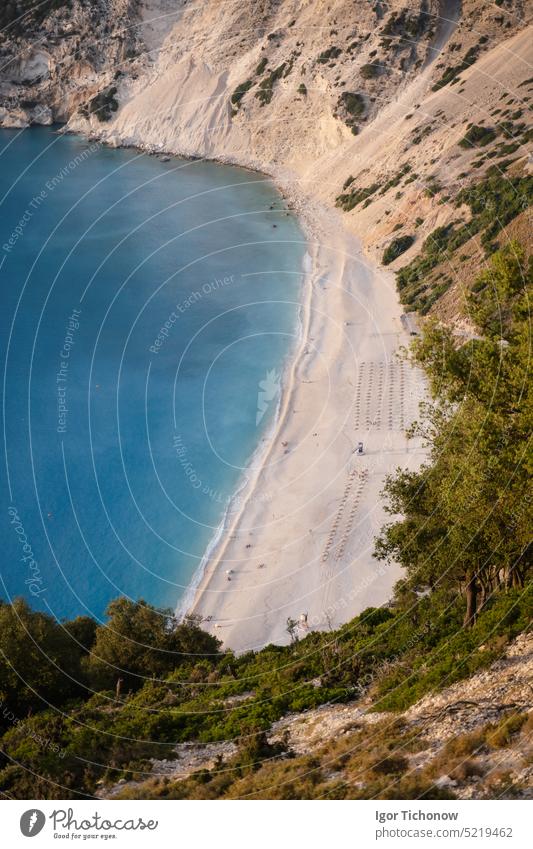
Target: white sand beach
(301,543)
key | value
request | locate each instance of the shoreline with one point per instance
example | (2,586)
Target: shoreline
(249,612)
(187,602)
(311,560)
(247,488)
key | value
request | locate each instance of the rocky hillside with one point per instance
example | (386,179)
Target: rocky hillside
(57,56)
(346,747)
(392,111)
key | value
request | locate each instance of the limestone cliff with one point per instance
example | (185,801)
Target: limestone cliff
(56,55)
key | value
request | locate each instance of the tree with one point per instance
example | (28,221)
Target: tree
(467,514)
(39,659)
(83,632)
(139,641)
(292,626)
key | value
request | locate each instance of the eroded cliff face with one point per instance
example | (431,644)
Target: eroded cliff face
(57,55)
(363,104)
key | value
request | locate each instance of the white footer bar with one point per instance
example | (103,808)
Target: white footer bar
(265,824)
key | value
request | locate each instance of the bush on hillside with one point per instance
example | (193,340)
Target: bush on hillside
(397,247)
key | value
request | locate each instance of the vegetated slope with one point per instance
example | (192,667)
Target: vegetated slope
(347,751)
(251,726)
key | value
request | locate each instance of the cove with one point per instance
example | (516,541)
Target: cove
(149,309)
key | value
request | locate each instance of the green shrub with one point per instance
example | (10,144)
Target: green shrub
(266,87)
(433,187)
(397,247)
(502,734)
(390,765)
(353,102)
(405,24)
(240,91)
(103,104)
(477,136)
(451,73)
(493,202)
(396,179)
(327,55)
(466,769)
(369,71)
(457,656)
(349,200)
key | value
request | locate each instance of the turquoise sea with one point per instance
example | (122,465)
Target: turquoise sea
(149,308)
